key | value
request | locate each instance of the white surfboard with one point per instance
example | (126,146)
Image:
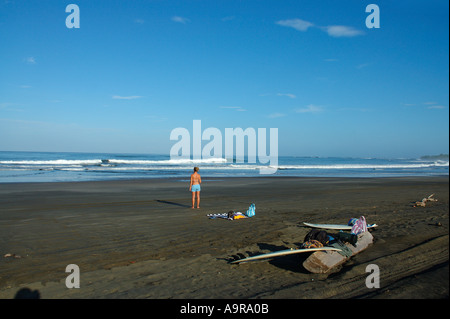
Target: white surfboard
(335,226)
(283,253)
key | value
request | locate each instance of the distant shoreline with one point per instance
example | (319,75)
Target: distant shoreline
(435,157)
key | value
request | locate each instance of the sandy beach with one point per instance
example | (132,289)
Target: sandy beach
(140,238)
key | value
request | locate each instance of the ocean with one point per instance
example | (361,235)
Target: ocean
(68,167)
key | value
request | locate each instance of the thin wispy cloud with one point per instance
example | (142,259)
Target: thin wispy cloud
(297,24)
(434,106)
(292,96)
(180,19)
(30,60)
(139,21)
(56,126)
(6,106)
(336,31)
(331,60)
(310,109)
(236,108)
(275,115)
(25,86)
(355,109)
(339,31)
(132,97)
(429,105)
(362,66)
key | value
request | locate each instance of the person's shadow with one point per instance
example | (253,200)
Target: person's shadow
(172,203)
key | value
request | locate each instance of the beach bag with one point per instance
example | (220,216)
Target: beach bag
(347,237)
(316,234)
(230,214)
(251,211)
(312,244)
(360,226)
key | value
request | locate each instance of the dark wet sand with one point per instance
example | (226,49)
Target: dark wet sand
(141,239)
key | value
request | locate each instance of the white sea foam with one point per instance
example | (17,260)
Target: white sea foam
(54,162)
(216,164)
(364,166)
(171,161)
(117,161)
(17,166)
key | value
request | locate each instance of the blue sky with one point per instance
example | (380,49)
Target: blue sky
(135,70)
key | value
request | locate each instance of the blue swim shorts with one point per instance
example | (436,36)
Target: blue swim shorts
(195,188)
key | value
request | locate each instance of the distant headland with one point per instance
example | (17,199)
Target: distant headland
(435,157)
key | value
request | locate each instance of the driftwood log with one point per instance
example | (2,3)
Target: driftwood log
(322,262)
(424,201)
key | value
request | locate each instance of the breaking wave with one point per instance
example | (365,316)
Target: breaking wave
(23,166)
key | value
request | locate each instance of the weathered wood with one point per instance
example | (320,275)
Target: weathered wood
(424,201)
(322,262)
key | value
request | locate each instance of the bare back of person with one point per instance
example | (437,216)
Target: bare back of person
(194,187)
(195,179)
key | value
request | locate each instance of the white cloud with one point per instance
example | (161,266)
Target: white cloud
(180,19)
(362,66)
(292,96)
(132,97)
(30,60)
(276,115)
(336,31)
(434,106)
(10,107)
(297,24)
(355,109)
(339,31)
(310,109)
(237,108)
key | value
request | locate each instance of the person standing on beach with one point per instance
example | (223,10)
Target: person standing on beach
(194,187)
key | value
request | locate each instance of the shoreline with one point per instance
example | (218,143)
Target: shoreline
(139,238)
(217,178)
